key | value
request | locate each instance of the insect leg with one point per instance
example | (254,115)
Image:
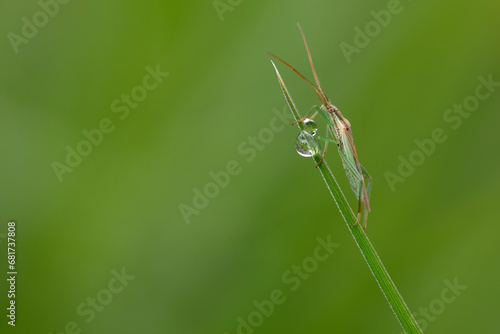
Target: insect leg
(360,203)
(314,108)
(327,139)
(368,181)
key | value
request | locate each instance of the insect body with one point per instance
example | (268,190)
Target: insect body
(341,134)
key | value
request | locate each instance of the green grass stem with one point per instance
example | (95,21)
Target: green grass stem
(391,293)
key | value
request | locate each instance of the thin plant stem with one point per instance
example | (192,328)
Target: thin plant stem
(391,293)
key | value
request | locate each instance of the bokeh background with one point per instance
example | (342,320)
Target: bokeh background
(120,209)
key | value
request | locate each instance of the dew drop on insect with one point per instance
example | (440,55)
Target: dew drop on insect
(310,126)
(305,145)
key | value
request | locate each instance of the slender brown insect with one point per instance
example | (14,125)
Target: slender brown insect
(340,129)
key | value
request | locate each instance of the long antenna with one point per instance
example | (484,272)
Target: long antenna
(320,88)
(284,62)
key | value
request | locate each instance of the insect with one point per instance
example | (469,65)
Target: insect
(340,130)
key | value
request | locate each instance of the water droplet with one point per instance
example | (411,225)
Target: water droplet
(310,126)
(305,145)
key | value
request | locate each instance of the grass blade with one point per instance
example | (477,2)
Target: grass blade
(391,293)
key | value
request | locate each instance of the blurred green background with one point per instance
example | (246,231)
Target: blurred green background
(121,207)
